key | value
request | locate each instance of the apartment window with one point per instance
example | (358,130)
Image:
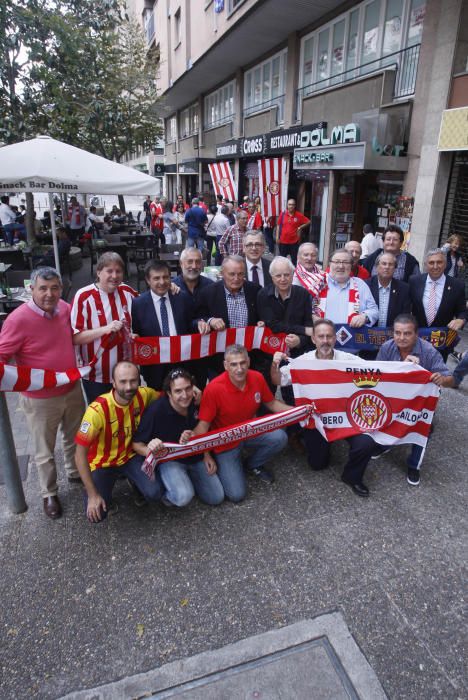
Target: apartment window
(219,106)
(265,85)
(374,33)
(177,28)
(189,121)
(171,129)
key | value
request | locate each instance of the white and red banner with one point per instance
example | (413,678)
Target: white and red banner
(179,348)
(223,181)
(226,436)
(392,402)
(270,185)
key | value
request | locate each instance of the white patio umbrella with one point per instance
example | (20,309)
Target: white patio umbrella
(46,165)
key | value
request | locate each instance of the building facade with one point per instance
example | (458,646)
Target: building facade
(350,96)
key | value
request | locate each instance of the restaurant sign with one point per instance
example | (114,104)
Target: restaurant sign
(341,155)
(285,141)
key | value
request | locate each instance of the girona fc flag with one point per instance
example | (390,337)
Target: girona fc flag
(223,181)
(392,402)
(270,185)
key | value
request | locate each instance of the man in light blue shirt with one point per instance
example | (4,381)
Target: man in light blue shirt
(348,299)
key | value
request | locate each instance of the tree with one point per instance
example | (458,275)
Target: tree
(78,71)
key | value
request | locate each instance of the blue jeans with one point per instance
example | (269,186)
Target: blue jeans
(105,478)
(230,471)
(11,229)
(461,370)
(196,243)
(182,481)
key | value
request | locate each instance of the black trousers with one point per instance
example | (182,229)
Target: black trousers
(361,448)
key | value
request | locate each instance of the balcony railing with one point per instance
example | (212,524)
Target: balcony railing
(262,106)
(404,62)
(150,28)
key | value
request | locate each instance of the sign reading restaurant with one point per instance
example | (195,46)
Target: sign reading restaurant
(311,136)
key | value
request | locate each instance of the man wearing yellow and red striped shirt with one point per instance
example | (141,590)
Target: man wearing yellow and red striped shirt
(104,442)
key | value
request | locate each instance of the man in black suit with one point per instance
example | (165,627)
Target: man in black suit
(406,264)
(230,303)
(158,312)
(438,300)
(257,267)
(391,295)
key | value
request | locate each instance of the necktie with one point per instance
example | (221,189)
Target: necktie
(255,274)
(164,318)
(431,305)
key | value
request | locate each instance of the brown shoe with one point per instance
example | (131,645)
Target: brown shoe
(52,507)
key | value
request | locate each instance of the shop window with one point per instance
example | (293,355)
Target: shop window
(393,27)
(352,52)
(177,28)
(370,37)
(322,58)
(338,48)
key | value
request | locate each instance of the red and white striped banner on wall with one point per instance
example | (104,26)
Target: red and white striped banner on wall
(270,172)
(223,181)
(393,402)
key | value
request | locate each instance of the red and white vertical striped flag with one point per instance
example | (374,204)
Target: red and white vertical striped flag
(223,181)
(270,185)
(392,402)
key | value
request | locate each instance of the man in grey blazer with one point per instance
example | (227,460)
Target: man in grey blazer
(257,267)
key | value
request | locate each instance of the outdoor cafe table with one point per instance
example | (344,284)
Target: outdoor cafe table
(19,296)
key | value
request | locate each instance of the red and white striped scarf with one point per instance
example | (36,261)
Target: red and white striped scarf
(311,281)
(233,433)
(146,351)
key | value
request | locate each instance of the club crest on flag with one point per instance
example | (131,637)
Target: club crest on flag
(343,335)
(438,338)
(368,410)
(273,188)
(224,182)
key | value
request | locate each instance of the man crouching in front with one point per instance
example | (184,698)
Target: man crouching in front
(104,443)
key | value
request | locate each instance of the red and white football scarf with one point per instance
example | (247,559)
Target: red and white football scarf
(180,348)
(233,433)
(146,351)
(313,282)
(392,402)
(320,305)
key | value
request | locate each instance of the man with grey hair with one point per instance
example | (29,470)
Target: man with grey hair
(438,300)
(257,267)
(233,397)
(391,295)
(191,280)
(231,242)
(38,335)
(357,270)
(307,256)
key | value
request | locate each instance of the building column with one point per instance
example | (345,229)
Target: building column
(328,243)
(429,170)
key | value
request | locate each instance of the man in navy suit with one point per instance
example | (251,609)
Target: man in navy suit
(438,300)
(158,312)
(257,267)
(391,295)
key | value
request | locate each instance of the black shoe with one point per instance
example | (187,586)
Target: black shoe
(264,475)
(359,489)
(457,355)
(315,468)
(413,477)
(74,480)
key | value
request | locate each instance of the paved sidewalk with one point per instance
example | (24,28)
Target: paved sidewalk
(87,605)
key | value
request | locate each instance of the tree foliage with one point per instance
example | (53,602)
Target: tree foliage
(78,71)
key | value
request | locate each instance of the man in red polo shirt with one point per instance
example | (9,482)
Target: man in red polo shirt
(290,225)
(233,397)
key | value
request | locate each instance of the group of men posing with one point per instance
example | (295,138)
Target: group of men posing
(124,421)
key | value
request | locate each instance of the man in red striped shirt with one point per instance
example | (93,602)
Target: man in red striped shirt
(102,310)
(104,449)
